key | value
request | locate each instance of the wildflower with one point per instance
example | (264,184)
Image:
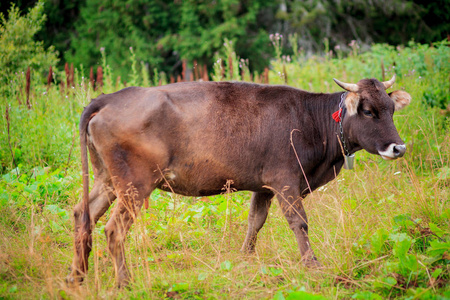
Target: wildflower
(275,37)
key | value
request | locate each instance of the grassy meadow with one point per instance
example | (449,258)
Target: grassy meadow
(382,230)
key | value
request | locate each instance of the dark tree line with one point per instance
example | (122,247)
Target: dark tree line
(162,33)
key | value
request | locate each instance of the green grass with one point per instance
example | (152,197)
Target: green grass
(380,230)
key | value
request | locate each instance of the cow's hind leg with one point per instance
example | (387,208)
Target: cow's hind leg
(131,195)
(292,207)
(259,209)
(100,199)
(134,176)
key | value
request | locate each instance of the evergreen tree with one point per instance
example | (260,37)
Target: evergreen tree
(163,33)
(115,26)
(206,24)
(61,18)
(378,21)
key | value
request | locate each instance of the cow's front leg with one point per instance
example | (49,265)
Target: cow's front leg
(292,207)
(259,208)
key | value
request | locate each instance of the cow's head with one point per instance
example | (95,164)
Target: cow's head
(369,123)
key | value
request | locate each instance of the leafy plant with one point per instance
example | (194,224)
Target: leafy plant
(18,49)
(437,96)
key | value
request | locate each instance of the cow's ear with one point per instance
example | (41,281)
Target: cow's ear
(351,102)
(400,98)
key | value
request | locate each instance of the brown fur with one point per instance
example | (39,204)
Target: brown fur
(196,136)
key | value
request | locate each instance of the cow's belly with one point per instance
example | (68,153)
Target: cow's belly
(208,177)
(189,190)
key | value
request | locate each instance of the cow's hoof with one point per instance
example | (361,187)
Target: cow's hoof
(247,250)
(312,263)
(123,282)
(73,281)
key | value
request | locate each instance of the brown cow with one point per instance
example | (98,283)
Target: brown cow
(272,140)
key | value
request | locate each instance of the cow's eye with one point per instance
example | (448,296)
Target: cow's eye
(367,113)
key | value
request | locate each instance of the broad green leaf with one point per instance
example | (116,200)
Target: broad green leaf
(300,295)
(226,265)
(264,270)
(55,226)
(202,276)
(404,221)
(436,273)
(378,240)
(390,281)
(275,271)
(409,262)
(177,287)
(278,296)
(398,237)
(402,244)
(438,248)
(436,230)
(366,295)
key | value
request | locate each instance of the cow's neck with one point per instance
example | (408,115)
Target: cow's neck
(342,142)
(332,155)
(350,146)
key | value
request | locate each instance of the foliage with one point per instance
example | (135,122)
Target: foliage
(364,21)
(164,33)
(33,138)
(204,26)
(60,25)
(115,26)
(381,231)
(18,50)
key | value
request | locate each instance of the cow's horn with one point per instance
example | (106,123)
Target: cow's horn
(388,84)
(351,87)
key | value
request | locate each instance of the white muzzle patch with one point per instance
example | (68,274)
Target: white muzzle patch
(393,151)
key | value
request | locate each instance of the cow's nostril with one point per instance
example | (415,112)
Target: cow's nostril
(399,150)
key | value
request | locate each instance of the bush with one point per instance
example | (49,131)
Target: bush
(18,50)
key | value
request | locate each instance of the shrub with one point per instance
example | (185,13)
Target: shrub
(18,50)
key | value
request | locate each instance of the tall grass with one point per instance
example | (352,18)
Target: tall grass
(381,230)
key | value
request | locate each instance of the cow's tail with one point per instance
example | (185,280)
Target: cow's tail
(84,231)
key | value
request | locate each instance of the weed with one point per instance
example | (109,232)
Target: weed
(380,231)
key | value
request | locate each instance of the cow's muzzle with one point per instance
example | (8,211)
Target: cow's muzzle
(393,151)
